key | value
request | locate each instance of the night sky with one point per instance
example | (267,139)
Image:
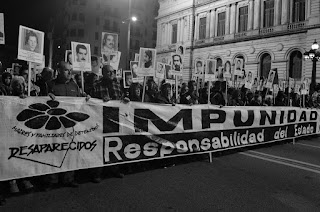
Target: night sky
(30,13)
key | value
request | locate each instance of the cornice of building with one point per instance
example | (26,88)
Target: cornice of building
(182,12)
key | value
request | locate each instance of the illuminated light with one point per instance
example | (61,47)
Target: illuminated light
(315,45)
(133,18)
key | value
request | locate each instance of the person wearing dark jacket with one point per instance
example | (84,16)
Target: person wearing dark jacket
(5,88)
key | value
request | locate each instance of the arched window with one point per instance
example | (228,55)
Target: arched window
(265,65)
(295,66)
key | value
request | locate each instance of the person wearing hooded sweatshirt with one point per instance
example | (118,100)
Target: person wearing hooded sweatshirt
(5,88)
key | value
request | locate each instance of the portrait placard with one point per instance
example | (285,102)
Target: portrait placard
(30,45)
(147,62)
(160,70)
(249,80)
(238,67)
(109,42)
(199,67)
(115,59)
(270,79)
(2,34)
(81,56)
(136,57)
(127,78)
(211,74)
(168,73)
(227,70)
(68,57)
(177,65)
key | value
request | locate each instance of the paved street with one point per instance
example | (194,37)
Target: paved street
(282,177)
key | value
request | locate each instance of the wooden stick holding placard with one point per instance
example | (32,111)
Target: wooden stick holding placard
(209,83)
(176,82)
(29,79)
(144,87)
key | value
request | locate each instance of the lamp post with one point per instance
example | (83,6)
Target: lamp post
(314,56)
(129,20)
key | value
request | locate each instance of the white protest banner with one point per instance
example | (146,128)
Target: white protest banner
(30,45)
(2,34)
(81,56)
(41,136)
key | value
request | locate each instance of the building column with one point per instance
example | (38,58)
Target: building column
(208,25)
(178,31)
(181,29)
(277,14)
(256,24)
(212,22)
(227,26)
(233,19)
(250,15)
(261,15)
(196,28)
(285,9)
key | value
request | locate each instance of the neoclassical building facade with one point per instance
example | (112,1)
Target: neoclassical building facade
(266,34)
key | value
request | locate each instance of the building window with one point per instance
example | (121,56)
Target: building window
(202,28)
(115,26)
(96,36)
(174,34)
(74,2)
(145,44)
(219,62)
(221,24)
(74,17)
(137,45)
(80,33)
(81,17)
(299,9)
(73,33)
(106,25)
(265,65)
(268,13)
(154,35)
(295,67)
(83,2)
(95,50)
(97,21)
(243,19)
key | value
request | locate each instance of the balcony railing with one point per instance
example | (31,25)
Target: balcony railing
(295,26)
(266,30)
(240,35)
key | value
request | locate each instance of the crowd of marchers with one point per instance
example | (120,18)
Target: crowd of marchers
(64,82)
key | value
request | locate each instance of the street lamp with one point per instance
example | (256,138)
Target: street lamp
(129,20)
(314,56)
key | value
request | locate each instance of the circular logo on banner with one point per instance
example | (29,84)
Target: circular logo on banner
(50,116)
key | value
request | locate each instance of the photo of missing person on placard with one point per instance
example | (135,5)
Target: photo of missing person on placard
(109,42)
(238,67)
(199,67)
(31,43)
(2,35)
(127,78)
(115,59)
(147,62)
(210,72)
(249,80)
(227,70)
(81,56)
(134,68)
(168,75)
(180,50)
(160,70)
(68,57)
(176,63)
(270,79)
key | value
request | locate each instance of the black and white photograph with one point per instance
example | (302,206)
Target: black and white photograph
(160,71)
(177,65)
(109,42)
(168,73)
(115,59)
(199,67)
(68,57)
(227,71)
(211,72)
(147,62)
(81,56)
(249,80)
(31,44)
(270,79)
(2,34)
(238,67)
(180,50)
(127,78)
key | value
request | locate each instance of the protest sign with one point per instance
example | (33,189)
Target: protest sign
(238,67)
(30,45)
(41,136)
(270,79)
(81,56)
(2,34)
(210,72)
(147,62)
(109,42)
